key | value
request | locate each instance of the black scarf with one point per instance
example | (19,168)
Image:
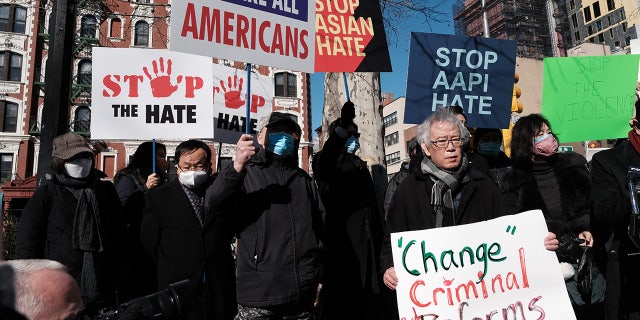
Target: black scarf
(444,183)
(86,235)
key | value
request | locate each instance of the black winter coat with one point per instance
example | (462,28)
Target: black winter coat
(183,249)
(611,212)
(46,229)
(521,193)
(353,232)
(411,208)
(280,223)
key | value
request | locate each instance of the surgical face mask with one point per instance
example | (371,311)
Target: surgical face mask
(489,149)
(281,143)
(193,179)
(352,144)
(78,168)
(545,145)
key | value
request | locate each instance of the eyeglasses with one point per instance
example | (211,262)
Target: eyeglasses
(198,167)
(443,143)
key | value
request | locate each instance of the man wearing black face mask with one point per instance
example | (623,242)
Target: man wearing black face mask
(182,230)
(279,247)
(350,287)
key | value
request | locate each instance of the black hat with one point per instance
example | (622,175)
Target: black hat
(290,120)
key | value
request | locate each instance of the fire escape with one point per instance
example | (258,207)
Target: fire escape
(88,13)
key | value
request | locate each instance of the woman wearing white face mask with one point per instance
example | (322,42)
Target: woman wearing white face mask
(73,219)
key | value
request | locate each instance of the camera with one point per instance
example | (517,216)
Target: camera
(633,184)
(168,304)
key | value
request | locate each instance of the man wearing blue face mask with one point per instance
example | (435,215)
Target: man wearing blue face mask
(187,237)
(280,223)
(351,285)
(488,144)
(74,219)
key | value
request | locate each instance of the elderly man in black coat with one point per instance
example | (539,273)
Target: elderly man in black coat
(190,238)
(459,194)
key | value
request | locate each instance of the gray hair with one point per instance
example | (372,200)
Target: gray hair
(27,301)
(441,115)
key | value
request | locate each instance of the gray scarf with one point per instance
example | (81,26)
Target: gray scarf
(86,235)
(444,183)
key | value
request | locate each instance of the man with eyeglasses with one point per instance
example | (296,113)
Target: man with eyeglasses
(456,192)
(184,230)
(280,223)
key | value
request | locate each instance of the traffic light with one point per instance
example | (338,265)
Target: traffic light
(516,106)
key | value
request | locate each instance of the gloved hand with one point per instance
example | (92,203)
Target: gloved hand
(348,112)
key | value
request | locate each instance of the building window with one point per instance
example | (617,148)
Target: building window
(576,35)
(115,29)
(611,33)
(82,122)
(590,30)
(9,116)
(13,18)
(627,40)
(587,14)
(611,5)
(390,119)
(84,72)
(574,20)
(88,26)
(392,158)
(622,15)
(572,4)
(286,84)
(596,9)
(391,139)
(601,37)
(141,37)
(6,166)
(10,66)
(599,25)
(624,27)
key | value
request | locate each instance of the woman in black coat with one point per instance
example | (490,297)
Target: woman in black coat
(74,219)
(556,183)
(132,183)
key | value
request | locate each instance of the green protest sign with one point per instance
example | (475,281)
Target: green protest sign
(589,98)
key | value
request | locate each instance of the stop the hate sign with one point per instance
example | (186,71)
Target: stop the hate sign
(472,72)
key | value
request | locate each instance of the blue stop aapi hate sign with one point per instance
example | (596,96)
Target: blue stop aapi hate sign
(472,72)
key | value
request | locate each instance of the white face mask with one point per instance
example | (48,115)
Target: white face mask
(78,168)
(193,179)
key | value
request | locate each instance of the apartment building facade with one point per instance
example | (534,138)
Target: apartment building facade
(24,44)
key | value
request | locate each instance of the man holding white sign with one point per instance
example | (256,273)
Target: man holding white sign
(458,193)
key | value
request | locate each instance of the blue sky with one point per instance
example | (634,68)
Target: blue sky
(395,81)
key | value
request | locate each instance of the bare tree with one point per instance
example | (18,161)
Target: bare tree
(364,87)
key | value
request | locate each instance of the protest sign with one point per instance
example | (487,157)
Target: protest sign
(279,33)
(472,72)
(350,37)
(229,102)
(589,98)
(495,268)
(146,94)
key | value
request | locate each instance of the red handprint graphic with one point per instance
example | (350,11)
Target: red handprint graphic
(161,86)
(232,98)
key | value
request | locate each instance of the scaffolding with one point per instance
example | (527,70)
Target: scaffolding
(525,21)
